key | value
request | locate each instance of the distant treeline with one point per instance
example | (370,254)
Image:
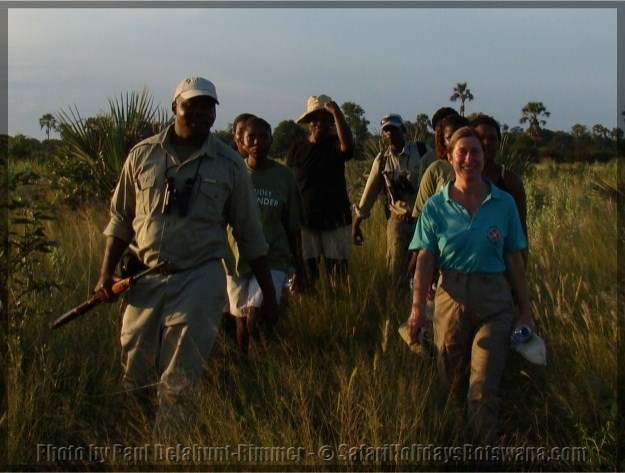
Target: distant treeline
(84,164)
(580,145)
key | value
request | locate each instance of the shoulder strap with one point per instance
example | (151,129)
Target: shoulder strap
(383,159)
(387,192)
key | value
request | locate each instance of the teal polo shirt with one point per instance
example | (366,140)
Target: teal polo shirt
(470,245)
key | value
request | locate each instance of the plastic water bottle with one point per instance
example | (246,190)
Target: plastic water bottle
(520,334)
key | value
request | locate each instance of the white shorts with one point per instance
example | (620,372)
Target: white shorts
(333,244)
(245,292)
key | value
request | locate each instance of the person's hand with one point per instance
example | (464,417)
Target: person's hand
(525,318)
(103,287)
(403,214)
(300,282)
(357,237)
(400,211)
(331,107)
(414,324)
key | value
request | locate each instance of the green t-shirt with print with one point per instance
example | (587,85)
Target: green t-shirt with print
(282,213)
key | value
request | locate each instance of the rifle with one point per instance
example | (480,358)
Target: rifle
(95,299)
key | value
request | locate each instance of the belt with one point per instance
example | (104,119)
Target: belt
(450,273)
(164,271)
(168,270)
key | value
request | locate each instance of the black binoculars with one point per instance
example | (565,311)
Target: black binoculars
(403,185)
(178,198)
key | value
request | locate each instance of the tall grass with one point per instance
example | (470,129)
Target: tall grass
(337,374)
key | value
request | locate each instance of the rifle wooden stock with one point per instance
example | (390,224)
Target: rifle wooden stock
(94,300)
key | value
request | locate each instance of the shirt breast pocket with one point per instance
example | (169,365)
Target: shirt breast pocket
(147,195)
(211,201)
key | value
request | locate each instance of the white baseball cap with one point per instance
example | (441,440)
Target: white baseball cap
(194,87)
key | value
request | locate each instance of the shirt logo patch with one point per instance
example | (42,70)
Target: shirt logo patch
(493,234)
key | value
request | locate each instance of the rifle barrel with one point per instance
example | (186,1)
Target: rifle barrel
(94,300)
(76,312)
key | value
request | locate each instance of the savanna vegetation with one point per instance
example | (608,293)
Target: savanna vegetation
(337,389)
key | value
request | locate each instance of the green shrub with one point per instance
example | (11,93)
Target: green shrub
(95,148)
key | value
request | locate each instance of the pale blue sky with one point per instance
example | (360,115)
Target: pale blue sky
(268,61)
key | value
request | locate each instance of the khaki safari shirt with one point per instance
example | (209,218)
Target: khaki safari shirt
(407,161)
(220,193)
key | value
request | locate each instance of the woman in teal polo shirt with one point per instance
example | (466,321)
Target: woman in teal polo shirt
(471,231)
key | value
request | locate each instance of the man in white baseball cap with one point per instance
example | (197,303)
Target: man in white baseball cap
(177,192)
(194,87)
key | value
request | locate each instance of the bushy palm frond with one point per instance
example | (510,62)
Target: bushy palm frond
(83,136)
(513,160)
(103,142)
(374,145)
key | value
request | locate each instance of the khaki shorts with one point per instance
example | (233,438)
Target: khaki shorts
(245,292)
(331,244)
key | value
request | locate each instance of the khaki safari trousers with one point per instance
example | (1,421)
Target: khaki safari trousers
(168,331)
(398,237)
(473,318)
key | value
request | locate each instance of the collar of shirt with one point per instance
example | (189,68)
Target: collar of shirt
(403,158)
(404,152)
(164,140)
(493,191)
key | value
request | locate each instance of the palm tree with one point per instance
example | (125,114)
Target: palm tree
(102,142)
(531,113)
(578,130)
(462,93)
(600,131)
(48,122)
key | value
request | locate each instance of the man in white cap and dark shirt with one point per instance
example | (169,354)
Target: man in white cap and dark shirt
(318,162)
(177,192)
